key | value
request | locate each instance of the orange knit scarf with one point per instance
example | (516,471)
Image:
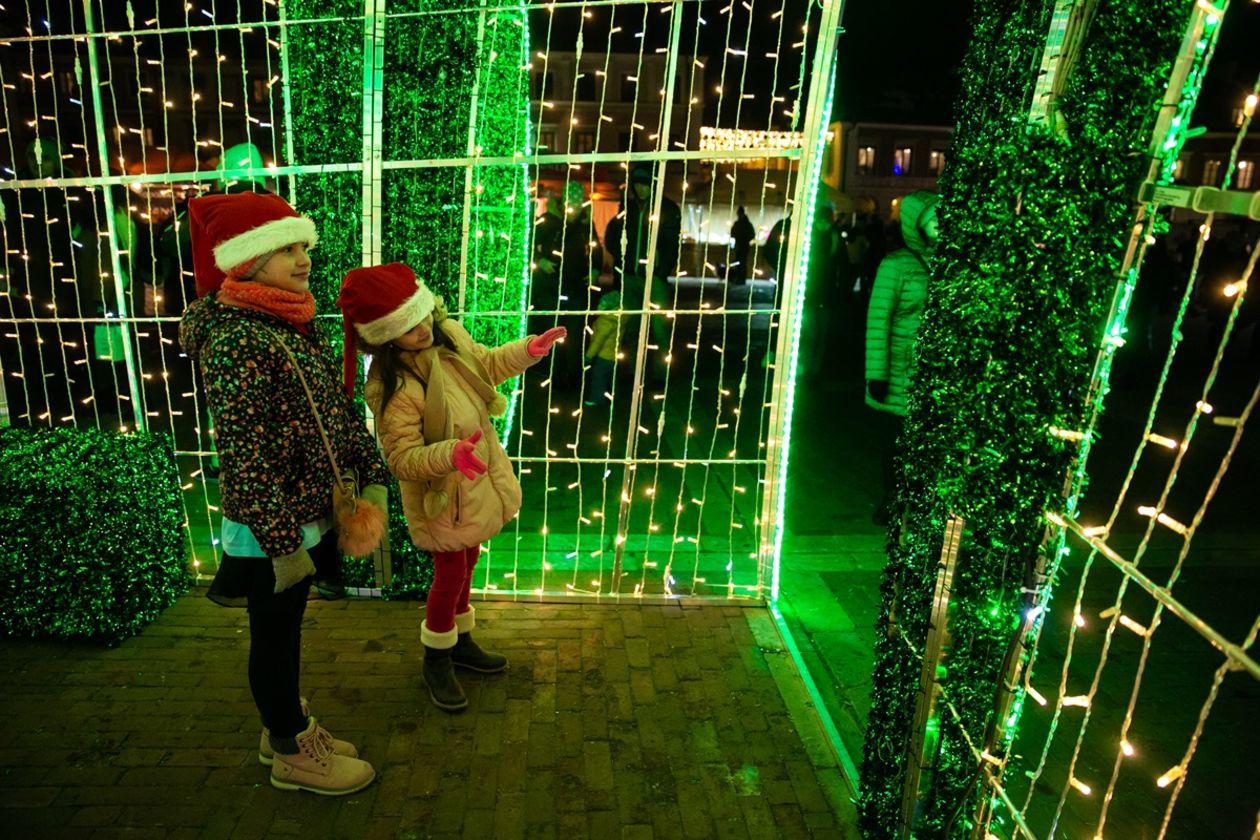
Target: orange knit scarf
(298,308)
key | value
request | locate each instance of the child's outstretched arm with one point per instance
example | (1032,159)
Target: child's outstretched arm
(501,363)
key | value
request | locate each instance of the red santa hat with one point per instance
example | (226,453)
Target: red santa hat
(233,235)
(378,304)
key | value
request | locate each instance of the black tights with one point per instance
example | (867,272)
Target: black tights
(275,648)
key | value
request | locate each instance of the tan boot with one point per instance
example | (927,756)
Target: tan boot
(265,752)
(315,767)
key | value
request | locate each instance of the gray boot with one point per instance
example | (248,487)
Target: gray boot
(468,654)
(439,676)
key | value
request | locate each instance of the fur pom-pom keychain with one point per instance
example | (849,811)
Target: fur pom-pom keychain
(360,526)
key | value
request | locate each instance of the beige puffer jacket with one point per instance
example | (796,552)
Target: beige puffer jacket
(421,459)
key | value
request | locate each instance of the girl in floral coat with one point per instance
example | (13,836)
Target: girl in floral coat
(251,331)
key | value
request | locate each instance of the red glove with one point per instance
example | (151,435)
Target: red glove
(464,459)
(540,345)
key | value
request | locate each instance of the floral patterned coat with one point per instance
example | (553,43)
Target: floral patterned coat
(274,470)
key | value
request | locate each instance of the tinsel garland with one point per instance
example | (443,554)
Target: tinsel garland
(432,63)
(92,545)
(1034,223)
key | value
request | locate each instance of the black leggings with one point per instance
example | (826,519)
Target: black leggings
(275,646)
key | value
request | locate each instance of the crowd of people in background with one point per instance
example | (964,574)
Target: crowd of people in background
(865,287)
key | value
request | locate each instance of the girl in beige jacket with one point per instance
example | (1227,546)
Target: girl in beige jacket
(432,391)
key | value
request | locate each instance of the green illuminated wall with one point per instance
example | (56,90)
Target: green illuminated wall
(1034,224)
(433,65)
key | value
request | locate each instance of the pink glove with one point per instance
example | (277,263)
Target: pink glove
(464,459)
(540,345)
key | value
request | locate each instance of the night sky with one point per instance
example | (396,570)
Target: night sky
(899,61)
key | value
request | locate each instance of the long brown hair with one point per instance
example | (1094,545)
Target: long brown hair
(393,369)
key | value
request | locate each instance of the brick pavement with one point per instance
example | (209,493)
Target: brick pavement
(612,722)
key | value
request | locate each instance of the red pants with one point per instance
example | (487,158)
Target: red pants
(452,580)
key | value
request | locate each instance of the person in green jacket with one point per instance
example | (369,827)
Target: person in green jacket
(892,325)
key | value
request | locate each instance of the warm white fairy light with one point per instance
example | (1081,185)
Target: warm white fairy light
(1067,434)
(1171,775)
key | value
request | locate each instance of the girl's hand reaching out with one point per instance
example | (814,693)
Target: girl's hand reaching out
(540,345)
(464,459)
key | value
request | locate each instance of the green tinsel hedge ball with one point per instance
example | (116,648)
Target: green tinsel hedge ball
(91,539)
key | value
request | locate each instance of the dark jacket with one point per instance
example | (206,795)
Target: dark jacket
(742,234)
(823,277)
(633,220)
(275,473)
(567,246)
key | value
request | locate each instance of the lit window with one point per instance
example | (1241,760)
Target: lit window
(866,160)
(936,161)
(1179,167)
(1246,173)
(1212,172)
(902,161)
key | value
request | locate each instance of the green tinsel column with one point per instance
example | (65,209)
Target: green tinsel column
(455,86)
(1034,224)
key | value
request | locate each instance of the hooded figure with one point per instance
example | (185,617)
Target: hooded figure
(892,326)
(897,305)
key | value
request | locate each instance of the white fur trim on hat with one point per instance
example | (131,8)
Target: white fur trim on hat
(388,327)
(264,239)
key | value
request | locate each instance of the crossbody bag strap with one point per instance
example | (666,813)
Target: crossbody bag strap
(319,424)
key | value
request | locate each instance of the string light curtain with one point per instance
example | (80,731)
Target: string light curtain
(435,133)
